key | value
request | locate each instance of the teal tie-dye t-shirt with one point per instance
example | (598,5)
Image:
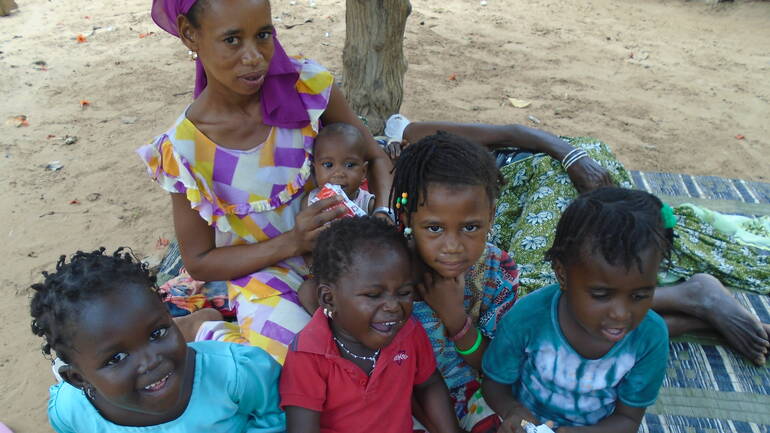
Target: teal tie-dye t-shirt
(552,380)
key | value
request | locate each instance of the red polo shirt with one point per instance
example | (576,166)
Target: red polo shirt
(316,377)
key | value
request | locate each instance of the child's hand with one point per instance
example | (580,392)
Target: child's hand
(446,296)
(512,421)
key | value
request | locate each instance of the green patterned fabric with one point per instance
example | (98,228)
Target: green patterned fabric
(539,190)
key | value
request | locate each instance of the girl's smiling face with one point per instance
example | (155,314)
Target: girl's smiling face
(450,228)
(127,348)
(234,41)
(373,299)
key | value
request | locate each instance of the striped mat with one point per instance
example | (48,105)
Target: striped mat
(708,387)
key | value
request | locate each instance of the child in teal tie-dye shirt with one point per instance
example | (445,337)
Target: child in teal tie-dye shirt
(588,354)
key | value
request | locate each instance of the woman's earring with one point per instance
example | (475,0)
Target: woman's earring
(328,313)
(193,55)
(408,233)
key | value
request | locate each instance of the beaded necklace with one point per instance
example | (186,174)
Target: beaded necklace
(372,359)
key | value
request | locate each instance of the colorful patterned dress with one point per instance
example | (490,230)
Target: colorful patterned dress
(249,196)
(538,191)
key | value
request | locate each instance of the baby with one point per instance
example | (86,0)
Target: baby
(338,159)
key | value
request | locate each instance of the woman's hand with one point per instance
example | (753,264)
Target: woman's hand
(587,175)
(446,296)
(312,220)
(393,148)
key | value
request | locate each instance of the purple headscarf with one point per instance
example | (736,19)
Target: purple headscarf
(281,104)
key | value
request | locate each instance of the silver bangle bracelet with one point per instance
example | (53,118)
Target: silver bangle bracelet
(387,211)
(574,159)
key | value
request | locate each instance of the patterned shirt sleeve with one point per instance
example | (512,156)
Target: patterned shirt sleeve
(500,289)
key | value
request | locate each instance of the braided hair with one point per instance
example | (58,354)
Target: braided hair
(60,297)
(338,245)
(617,223)
(442,158)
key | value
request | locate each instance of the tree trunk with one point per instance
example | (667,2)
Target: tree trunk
(6,6)
(373,59)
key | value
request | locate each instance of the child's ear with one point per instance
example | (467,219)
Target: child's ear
(561,273)
(325,296)
(187,33)
(72,376)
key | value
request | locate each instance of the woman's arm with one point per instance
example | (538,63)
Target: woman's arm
(301,420)
(625,419)
(494,136)
(433,397)
(500,399)
(586,174)
(205,262)
(379,164)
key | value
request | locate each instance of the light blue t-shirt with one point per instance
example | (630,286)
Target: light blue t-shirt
(555,383)
(235,390)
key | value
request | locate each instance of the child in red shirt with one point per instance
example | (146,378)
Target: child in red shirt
(357,364)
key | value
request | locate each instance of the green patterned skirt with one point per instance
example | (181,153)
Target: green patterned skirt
(539,189)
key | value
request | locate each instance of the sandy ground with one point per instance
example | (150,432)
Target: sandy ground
(671,84)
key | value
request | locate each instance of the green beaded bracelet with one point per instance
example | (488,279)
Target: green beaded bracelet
(473,348)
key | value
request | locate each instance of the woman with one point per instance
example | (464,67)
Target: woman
(238,159)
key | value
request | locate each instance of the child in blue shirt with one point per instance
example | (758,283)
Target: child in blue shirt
(588,354)
(126,365)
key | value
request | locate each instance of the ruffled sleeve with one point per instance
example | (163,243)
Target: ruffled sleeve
(175,174)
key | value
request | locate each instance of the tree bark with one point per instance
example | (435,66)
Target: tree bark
(373,58)
(6,6)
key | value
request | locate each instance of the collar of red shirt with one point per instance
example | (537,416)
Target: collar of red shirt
(316,337)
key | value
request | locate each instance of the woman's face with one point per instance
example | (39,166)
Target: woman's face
(234,41)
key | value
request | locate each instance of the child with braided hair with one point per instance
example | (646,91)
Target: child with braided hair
(588,353)
(444,193)
(126,366)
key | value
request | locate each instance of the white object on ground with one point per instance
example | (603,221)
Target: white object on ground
(531,428)
(395,126)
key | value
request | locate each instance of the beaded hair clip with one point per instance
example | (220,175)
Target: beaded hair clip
(401,200)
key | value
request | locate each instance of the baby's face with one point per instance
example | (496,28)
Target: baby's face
(339,160)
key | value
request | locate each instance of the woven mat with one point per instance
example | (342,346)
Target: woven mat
(708,387)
